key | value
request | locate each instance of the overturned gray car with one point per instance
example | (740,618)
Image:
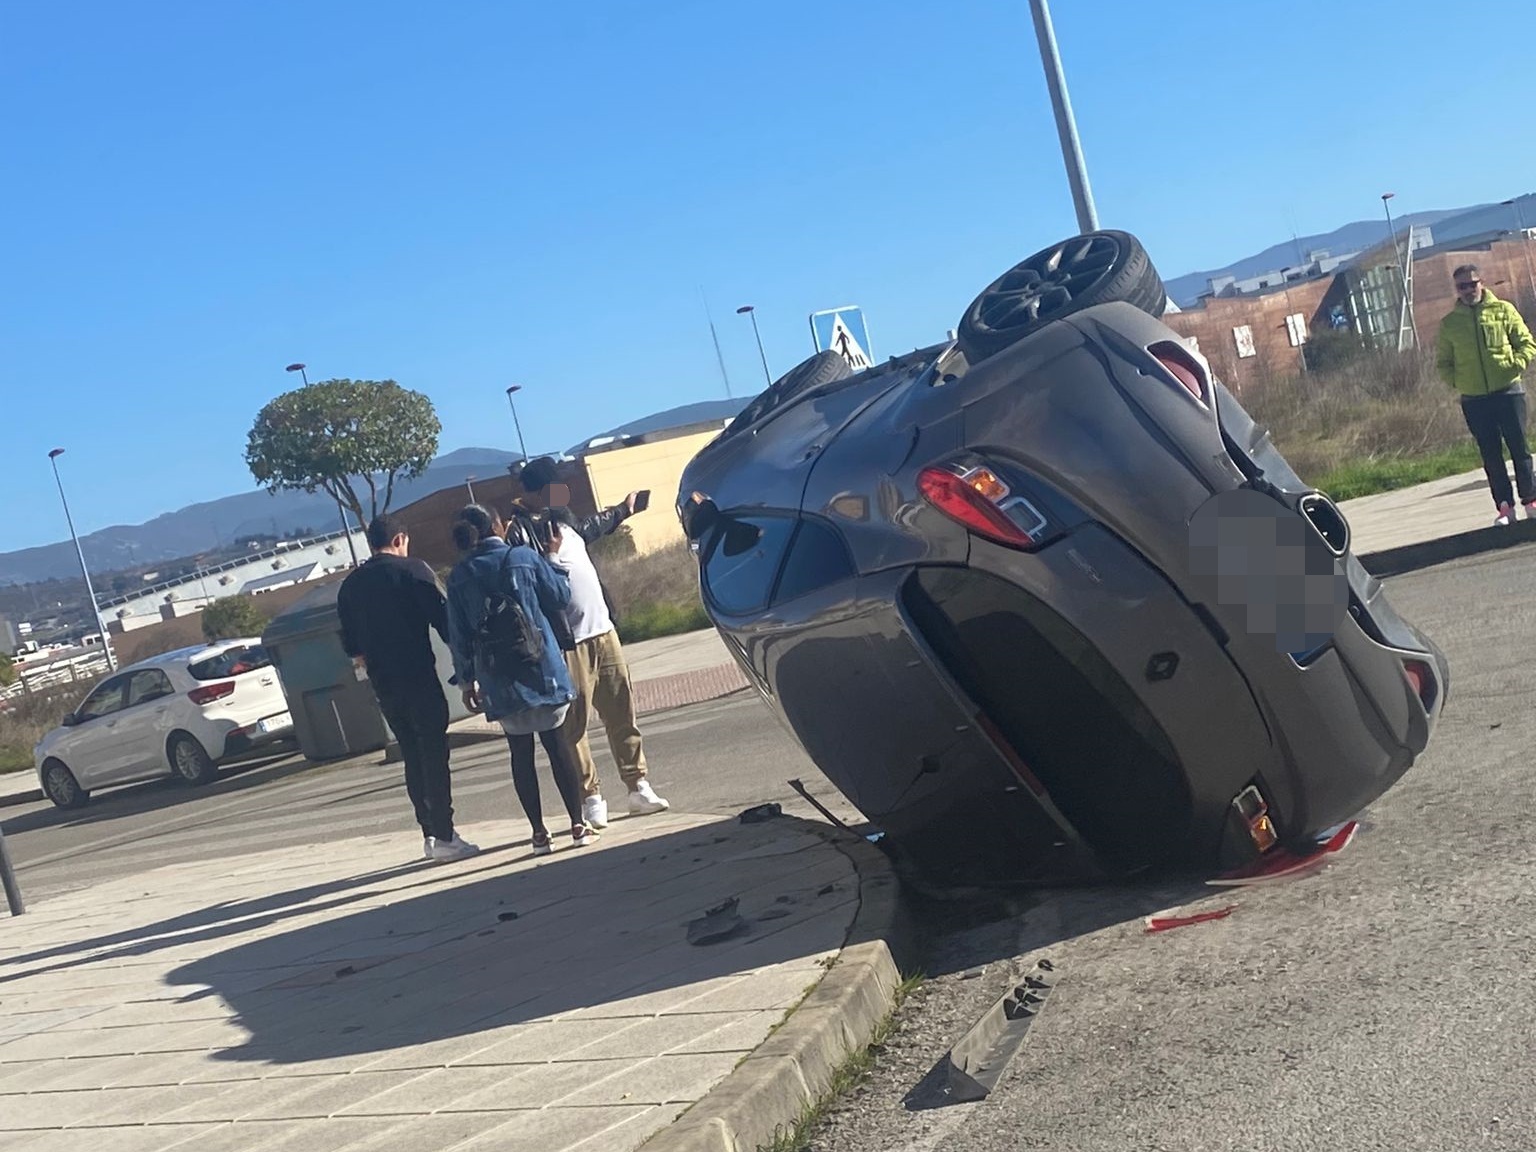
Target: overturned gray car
(1043,601)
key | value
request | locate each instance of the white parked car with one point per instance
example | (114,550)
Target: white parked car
(179,714)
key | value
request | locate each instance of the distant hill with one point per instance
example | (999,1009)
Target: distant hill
(198,527)
(1354,237)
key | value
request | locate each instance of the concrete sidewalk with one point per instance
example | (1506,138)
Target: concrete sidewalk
(359,997)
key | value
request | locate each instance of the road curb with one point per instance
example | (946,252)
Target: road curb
(1426,553)
(12,799)
(793,1069)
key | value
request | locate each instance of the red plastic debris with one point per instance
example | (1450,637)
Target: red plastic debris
(1164,923)
(1283,865)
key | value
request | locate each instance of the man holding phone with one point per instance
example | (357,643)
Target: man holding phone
(599,672)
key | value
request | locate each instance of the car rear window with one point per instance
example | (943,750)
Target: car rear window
(743,559)
(817,558)
(745,556)
(231,662)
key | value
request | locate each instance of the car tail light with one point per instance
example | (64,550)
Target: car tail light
(982,501)
(1183,367)
(1422,680)
(208,693)
(1253,810)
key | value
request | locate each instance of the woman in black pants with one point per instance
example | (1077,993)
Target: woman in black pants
(503,598)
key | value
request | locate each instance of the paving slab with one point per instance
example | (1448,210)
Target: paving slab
(362,998)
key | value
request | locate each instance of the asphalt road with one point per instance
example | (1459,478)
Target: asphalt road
(1381,1004)
(1384,1003)
(718,758)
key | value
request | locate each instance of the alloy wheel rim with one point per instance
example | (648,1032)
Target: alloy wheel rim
(1049,283)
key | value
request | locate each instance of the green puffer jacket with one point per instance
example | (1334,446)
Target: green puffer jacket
(1483,347)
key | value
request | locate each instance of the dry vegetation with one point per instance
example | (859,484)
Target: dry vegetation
(1367,423)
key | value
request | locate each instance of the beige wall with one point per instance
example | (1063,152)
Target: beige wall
(657,466)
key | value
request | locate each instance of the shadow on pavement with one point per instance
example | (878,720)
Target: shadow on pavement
(472,946)
(158,795)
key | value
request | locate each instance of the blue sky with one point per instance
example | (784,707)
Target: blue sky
(467,194)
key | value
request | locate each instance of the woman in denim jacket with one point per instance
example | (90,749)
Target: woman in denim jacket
(531,699)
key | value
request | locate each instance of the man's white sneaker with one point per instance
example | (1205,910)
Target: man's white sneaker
(426,847)
(594,810)
(1506,516)
(643,800)
(456,849)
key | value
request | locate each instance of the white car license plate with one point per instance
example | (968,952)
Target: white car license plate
(275,723)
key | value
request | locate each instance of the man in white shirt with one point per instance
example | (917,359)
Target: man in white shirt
(597,666)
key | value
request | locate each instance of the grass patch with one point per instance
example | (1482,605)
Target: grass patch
(27,718)
(1368,477)
(650,620)
(849,1075)
(653,593)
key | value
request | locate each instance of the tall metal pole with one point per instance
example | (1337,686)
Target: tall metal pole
(751,311)
(515,422)
(8,881)
(715,336)
(1066,123)
(90,592)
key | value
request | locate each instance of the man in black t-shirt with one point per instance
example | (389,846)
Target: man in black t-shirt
(387,606)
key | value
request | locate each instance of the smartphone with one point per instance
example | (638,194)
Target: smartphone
(642,500)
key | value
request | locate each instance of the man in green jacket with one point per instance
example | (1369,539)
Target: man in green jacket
(1483,349)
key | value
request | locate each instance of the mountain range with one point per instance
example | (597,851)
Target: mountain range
(213,523)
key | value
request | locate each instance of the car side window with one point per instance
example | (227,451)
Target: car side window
(148,684)
(742,559)
(817,557)
(107,698)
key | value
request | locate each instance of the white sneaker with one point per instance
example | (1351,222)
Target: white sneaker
(1506,516)
(1530,510)
(581,837)
(643,800)
(594,810)
(456,849)
(542,847)
(426,847)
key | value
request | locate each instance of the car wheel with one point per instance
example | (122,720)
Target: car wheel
(60,785)
(1085,271)
(189,759)
(823,368)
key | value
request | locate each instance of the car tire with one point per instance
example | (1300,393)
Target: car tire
(189,760)
(1082,272)
(823,368)
(60,785)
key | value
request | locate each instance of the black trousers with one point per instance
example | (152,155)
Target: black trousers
(417,713)
(1496,421)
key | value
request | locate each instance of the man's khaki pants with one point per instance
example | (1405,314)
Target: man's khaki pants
(601,679)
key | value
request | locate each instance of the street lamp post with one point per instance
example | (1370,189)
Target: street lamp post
(511,391)
(90,592)
(1066,124)
(1525,246)
(340,514)
(750,310)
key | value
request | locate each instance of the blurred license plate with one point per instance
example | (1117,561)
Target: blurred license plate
(275,723)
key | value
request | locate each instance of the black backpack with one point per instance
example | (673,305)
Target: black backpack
(507,643)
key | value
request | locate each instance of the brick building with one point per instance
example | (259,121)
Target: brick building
(1261,334)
